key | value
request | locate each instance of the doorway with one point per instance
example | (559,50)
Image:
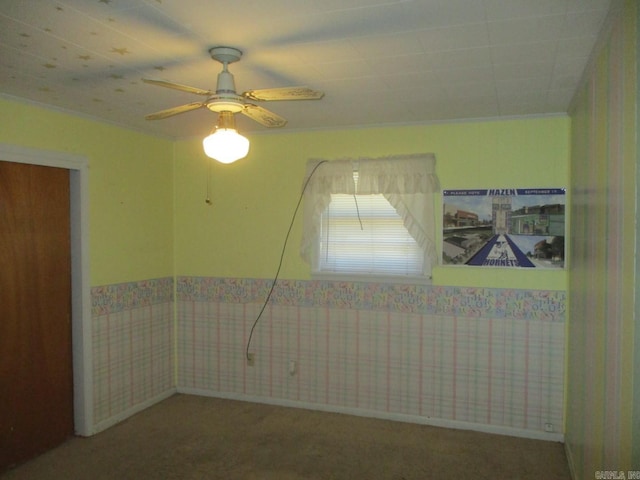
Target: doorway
(76,171)
(36,378)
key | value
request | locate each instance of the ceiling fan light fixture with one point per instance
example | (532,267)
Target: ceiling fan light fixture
(225,144)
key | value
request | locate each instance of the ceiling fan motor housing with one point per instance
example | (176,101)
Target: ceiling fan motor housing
(224,103)
(225,99)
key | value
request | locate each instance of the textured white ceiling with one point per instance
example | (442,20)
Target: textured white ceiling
(378,61)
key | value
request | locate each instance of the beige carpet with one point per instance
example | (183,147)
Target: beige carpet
(190,437)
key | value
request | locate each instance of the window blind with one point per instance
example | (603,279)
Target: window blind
(363,234)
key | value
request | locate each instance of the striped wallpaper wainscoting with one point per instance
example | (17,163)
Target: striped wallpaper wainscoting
(603,384)
(468,357)
(133,347)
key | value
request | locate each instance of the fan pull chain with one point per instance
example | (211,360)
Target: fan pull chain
(207,200)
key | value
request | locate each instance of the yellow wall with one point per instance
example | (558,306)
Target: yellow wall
(130,188)
(241,233)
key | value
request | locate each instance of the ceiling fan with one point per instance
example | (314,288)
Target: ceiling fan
(225,99)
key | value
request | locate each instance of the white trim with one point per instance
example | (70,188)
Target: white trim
(398,417)
(88,116)
(111,421)
(372,278)
(290,129)
(80,284)
(570,461)
(419,123)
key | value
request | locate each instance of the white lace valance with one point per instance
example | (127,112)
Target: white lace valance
(408,182)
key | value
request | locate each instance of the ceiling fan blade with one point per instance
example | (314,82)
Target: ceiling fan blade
(263,116)
(177,86)
(285,93)
(169,112)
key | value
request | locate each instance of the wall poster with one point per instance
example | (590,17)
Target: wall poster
(513,227)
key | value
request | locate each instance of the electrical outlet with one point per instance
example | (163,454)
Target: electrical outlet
(293,367)
(548,427)
(251,359)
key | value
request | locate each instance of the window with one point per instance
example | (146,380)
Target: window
(363,234)
(371,216)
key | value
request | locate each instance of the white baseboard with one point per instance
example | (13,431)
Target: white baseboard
(399,417)
(111,421)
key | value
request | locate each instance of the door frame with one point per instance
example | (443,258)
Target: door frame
(81,336)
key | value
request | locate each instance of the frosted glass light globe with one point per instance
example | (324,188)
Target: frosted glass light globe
(226,145)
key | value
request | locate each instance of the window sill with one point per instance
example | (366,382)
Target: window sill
(371,278)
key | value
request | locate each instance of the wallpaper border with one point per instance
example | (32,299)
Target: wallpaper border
(470,302)
(125,296)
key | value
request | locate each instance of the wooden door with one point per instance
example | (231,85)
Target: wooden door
(36,381)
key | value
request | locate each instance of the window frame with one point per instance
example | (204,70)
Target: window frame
(362,212)
(408,182)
